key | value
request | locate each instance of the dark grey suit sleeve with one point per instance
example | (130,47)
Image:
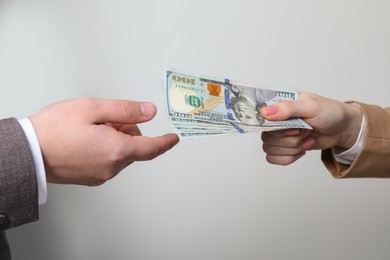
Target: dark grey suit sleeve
(5,252)
(18,183)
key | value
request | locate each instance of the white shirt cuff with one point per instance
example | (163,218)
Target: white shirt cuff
(348,156)
(37,157)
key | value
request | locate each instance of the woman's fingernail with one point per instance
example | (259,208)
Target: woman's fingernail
(308,144)
(268,111)
(306,133)
(292,132)
(148,109)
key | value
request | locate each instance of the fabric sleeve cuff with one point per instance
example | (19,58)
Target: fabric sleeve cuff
(39,166)
(348,156)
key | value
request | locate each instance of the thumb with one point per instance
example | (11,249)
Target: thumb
(285,110)
(123,111)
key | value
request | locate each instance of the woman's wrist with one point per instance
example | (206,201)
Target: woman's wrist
(353,118)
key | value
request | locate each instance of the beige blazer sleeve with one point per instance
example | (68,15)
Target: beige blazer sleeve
(18,183)
(374,158)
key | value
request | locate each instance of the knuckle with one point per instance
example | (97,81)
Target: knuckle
(295,142)
(127,110)
(120,156)
(266,148)
(287,106)
(116,157)
(264,136)
(153,153)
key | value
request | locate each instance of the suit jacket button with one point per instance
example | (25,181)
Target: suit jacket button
(4,221)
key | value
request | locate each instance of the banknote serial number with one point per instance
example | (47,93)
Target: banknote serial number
(212,116)
(190,88)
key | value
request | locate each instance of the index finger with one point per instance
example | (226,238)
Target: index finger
(121,111)
(283,133)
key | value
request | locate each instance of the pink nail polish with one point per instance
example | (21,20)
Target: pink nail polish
(308,144)
(268,111)
(306,133)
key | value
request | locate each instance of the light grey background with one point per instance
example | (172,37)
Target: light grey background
(211,198)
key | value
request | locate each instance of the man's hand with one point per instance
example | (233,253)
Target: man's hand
(335,124)
(89,141)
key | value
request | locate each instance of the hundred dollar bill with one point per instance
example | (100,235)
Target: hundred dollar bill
(201,106)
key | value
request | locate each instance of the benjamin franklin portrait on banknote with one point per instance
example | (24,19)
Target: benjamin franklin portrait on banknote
(246,103)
